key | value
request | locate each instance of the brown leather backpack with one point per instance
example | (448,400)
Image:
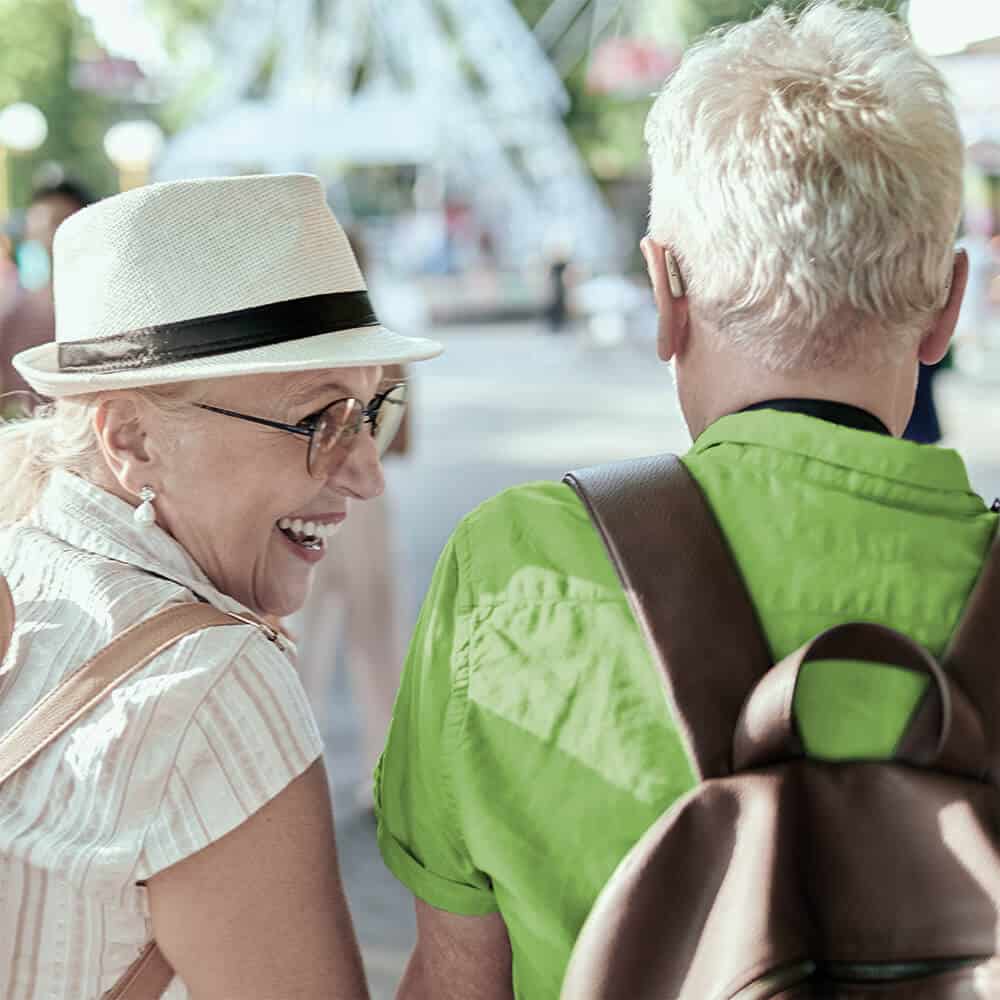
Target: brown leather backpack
(782,876)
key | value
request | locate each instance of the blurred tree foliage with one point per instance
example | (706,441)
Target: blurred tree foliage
(177,14)
(39,41)
(185,23)
(698,16)
(608,129)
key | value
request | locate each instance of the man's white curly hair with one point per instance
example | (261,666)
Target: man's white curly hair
(807,173)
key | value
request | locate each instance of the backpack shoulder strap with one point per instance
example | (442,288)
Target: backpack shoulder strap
(150,975)
(686,592)
(85,687)
(6,617)
(147,978)
(973,655)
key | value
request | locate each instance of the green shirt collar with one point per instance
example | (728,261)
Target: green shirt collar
(923,466)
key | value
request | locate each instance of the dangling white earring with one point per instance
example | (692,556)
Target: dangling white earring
(145,513)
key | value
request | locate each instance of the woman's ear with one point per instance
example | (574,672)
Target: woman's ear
(122,435)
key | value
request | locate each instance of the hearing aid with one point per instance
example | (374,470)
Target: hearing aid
(674,278)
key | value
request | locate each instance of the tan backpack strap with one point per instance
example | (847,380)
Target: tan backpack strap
(147,978)
(150,975)
(128,653)
(973,656)
(6,618)
(686,592)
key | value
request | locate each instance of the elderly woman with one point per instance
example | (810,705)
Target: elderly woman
(216,376)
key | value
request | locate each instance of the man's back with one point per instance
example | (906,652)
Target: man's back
(806,191)
(537,742)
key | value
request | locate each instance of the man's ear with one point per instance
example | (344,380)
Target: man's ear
(118,424)
(670,296)
(935,343)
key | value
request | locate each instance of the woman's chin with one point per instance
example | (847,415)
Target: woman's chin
(285,582)
(286,601)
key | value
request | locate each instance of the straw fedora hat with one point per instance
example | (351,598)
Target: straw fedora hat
(207,279)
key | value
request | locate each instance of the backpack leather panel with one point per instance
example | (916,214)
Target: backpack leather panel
(957,984)
(855,863)
(794,878)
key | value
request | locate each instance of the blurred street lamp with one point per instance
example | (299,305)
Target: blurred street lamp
(22,129)
(133,148)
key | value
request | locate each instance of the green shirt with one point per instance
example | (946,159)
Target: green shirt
(531,744)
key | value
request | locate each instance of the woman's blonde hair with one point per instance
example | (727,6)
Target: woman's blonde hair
(807,172)
(61,435)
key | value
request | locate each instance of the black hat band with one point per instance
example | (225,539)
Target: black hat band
(223,333)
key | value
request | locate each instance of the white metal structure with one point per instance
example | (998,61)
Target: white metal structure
(465,87)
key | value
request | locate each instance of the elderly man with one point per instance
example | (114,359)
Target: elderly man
(806,195)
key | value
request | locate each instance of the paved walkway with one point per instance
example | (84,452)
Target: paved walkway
(504,406)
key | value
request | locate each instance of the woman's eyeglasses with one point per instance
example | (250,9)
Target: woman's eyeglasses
(333,431)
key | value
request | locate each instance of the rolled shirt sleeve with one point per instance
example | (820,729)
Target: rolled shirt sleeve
(416,793)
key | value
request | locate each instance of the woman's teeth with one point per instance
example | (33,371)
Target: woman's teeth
(307,533)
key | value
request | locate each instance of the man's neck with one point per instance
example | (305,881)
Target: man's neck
(825,409)
(727,383)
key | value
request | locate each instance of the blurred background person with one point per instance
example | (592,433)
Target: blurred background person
(925,426)
(27,318)
(560,278)
(354,615)
(8,268)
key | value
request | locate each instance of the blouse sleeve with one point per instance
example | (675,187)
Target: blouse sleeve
(251,734)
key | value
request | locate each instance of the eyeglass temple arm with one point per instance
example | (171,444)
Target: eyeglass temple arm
(291,428)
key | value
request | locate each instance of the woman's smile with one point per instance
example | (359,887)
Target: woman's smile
(308,534)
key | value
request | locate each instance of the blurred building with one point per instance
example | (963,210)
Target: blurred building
(454,116)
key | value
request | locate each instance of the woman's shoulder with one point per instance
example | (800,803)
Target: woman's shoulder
(227,708)
(87,595)
(179,753)
(70,603)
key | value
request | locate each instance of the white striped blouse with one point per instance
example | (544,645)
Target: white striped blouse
(176,757)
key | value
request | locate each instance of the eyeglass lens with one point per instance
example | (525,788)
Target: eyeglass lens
(337,429)
(388,414)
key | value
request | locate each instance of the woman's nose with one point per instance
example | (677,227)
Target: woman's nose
(361,474)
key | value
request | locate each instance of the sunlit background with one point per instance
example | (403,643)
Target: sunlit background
(474,141)
(469,145)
